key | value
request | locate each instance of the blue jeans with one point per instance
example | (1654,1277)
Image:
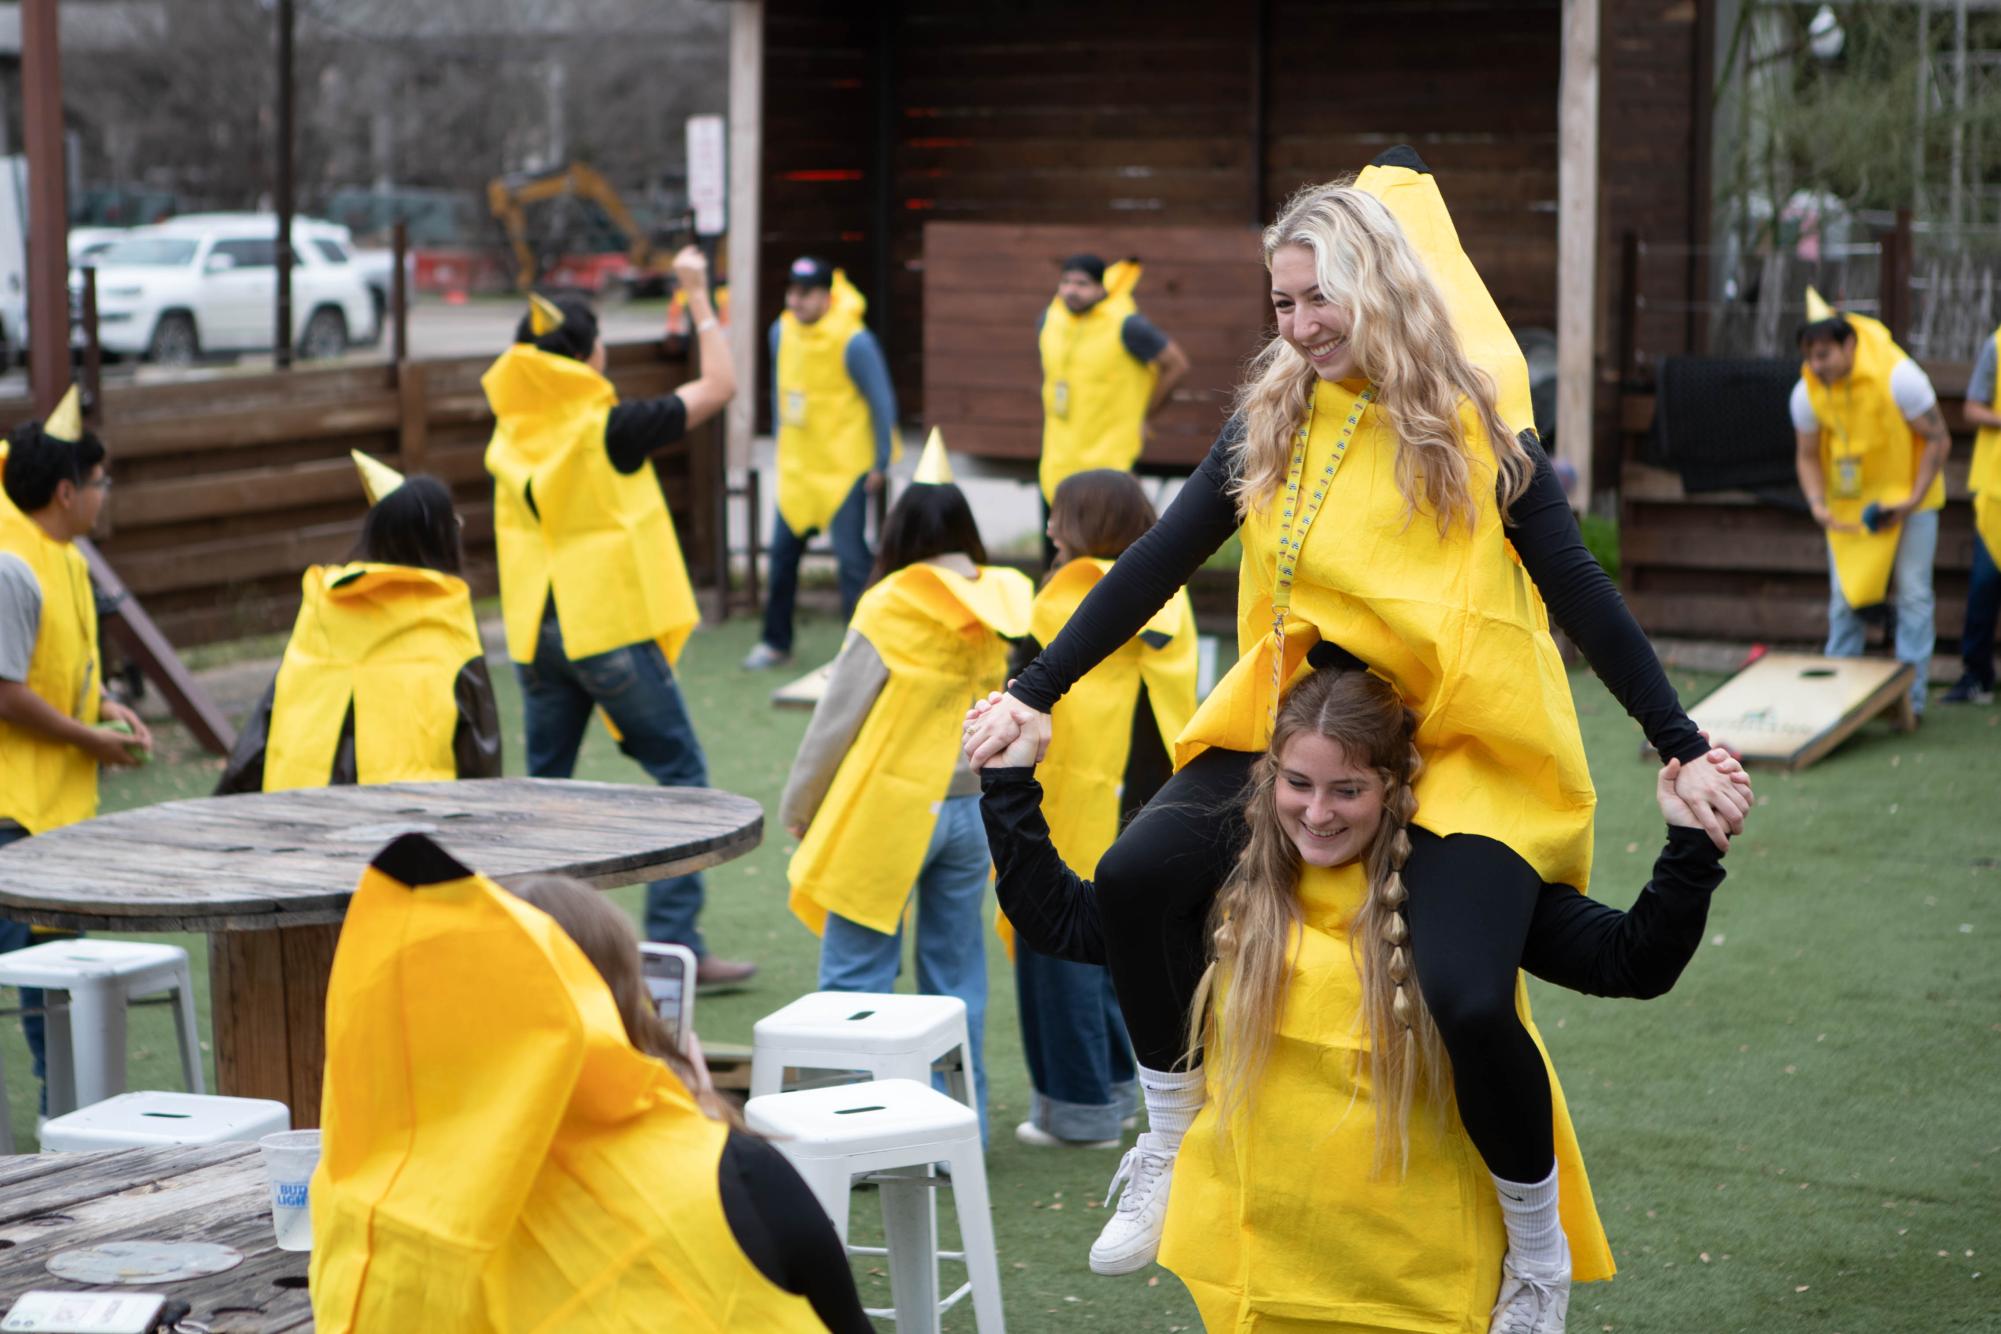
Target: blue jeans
(851,552)
(1079,1058)
(15,936)
(1983,602)
(635,687)
(951,932)
(1910,596)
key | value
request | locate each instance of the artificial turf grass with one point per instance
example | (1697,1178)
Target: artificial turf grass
(1825,956)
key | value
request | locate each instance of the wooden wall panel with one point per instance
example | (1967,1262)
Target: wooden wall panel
(985,284)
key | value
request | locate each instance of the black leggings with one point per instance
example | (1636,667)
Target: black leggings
(1471,904)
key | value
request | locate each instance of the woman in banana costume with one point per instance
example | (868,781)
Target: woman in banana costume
(384,679)
(1441,537)
(883,806)
(1107,757)
(559,1173)
(1325,1184)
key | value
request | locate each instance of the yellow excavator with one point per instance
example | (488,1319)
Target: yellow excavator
(509,197)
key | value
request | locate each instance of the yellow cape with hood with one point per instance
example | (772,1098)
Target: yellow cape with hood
(1984,480)
(387,641)
(568,524)
(1094,395)
(826,434)
(546,1177)
(939,634)
(46,784)
(1280,1226)
(1868,452)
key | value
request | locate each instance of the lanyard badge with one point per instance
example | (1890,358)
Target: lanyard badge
(1295,519)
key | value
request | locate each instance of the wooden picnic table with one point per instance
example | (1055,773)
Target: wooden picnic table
(54,1202)
(268,876)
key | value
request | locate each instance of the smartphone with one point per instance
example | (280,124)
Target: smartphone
(86,1313)
(670,976)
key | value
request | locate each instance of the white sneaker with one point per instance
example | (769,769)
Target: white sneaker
(764,657)
(1132,1235)
(1530,1303)
(1035,1137)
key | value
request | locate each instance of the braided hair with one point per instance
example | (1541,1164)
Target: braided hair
(1257,917)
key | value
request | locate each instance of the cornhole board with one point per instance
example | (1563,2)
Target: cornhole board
(1792,708)
(805,692)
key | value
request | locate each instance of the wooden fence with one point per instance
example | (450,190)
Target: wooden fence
(1727,565)
(985,285)
(228,486)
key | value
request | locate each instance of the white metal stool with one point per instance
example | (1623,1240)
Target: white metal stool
(86,1037)
(889,1036)
(144,1120)
(895,1132)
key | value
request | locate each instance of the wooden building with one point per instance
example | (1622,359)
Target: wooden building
(878,121)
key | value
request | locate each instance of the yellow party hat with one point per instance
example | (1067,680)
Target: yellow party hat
(1817,308)
(544,315)
(66,422)
(933,468)
(377,479)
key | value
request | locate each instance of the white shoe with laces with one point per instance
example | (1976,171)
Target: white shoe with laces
(1531,1303)
(1131,1237)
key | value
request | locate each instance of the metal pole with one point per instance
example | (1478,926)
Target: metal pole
(1958,182)
(282,336)
(399,296)
(93,353)
(1923,106)
(48,213)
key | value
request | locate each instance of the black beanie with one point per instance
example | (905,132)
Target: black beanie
(1090,265)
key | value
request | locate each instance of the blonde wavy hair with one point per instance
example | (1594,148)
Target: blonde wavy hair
(1404,343)
(1257,919)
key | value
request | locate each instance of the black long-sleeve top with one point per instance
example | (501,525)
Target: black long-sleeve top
(785,1233)
(1580,598)
(1573,941)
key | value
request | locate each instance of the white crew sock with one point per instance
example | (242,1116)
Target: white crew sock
(1172,1099)
(1535,1229)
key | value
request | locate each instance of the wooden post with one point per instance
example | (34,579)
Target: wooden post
(746,132)
(399,296)
(48,214)
(1577,242)
(281,354)
(1893,278)
(93,352)
(413,433)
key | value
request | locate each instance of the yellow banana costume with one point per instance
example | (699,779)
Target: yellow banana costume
(826,435)
(1984,480)
(939,634)
(570,525)
(1084,774)
(1452,620)
(1868,452)
(46,784)
(387,641)
(1094,395)
(1280,1227)
(550,1177)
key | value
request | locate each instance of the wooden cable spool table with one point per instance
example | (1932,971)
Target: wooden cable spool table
(268,875)
(216,1193)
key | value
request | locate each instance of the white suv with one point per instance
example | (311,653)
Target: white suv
(207,283)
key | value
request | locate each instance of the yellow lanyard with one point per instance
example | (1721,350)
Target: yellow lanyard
(1292,531)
